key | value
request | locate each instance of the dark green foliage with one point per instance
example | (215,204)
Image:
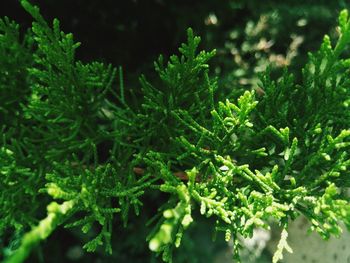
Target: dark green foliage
(67,103)
(185,85)
(242,162)
(18,196)
(15,59)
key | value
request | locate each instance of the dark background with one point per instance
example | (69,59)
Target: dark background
(132,33)
(128,33)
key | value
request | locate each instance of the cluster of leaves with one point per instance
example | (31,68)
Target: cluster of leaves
(185,85)
(67,125)
(279,157)
(247,161)
(15,59)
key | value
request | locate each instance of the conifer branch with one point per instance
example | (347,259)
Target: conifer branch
(56,215)
(244,160)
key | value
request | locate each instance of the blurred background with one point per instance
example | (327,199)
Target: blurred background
(248,35)
(133,33)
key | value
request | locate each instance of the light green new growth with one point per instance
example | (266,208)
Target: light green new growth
(73,138)
(55,214)
(281,246)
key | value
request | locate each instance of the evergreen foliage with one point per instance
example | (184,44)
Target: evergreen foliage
(75,144)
